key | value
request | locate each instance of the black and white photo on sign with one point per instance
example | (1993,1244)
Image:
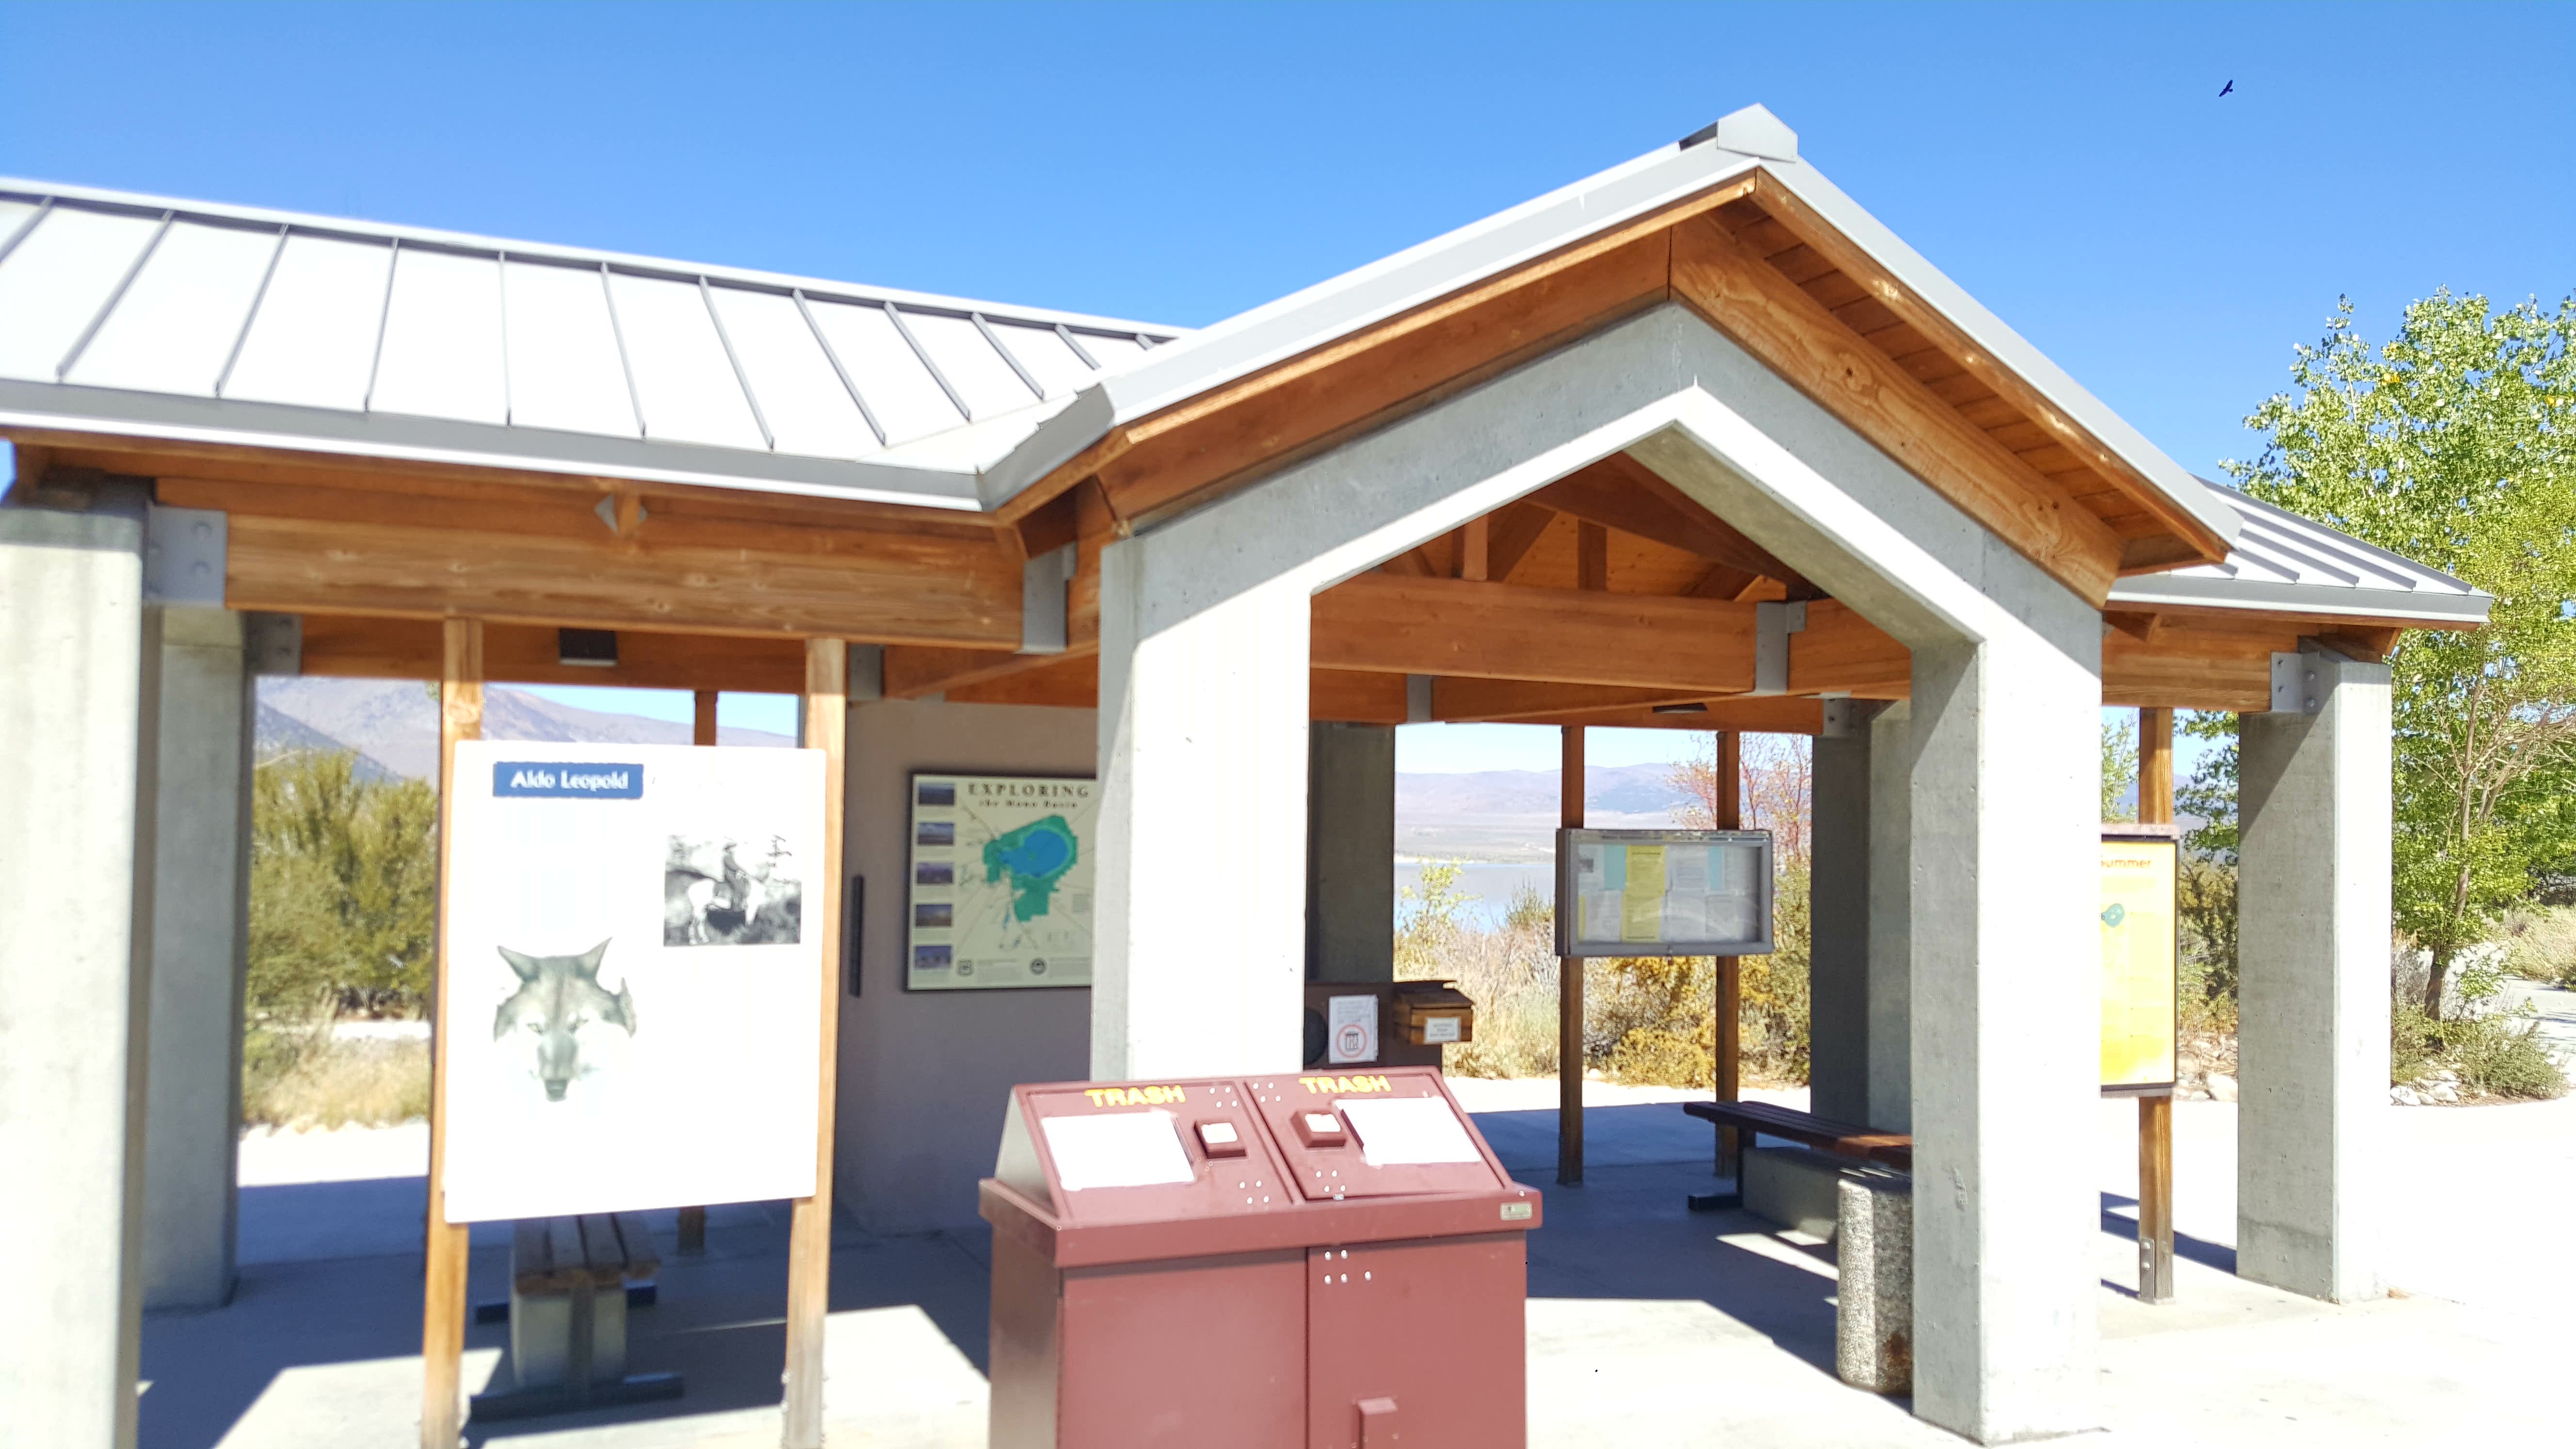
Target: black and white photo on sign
(730,890)
(568,1017)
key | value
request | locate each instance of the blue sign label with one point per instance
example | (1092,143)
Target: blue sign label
(562,780)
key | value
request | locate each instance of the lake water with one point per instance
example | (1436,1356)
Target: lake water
(1492,883)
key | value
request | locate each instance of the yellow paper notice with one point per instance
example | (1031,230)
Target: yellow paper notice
(1641,902)
(2138,965)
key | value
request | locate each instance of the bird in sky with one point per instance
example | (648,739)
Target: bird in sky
(2231,85)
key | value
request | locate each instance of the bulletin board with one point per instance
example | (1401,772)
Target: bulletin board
(1663,893)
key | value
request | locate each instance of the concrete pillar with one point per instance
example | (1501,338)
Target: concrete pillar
(2313,907)
(1350,853)
(1199,962)
(1860,966)
(76,766)
(2005,1028)
(1891,919)
(1838,895)
(200,869)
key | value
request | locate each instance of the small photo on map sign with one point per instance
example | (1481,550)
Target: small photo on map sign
(935,832)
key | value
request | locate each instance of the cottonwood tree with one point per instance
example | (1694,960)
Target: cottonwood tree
(2455,445)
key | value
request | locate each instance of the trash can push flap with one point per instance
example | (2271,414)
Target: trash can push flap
(1134,1152)
(1393,1133)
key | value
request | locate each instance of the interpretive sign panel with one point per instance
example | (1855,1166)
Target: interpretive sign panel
(2140,1014)
(1000,875)
(635,978)
(1663,892)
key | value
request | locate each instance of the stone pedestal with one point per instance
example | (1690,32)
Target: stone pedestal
(1874,1305)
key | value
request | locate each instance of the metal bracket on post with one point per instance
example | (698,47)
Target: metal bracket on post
(867,672)
(1772,625)
(183,557)
(1417,699)
(1046,587)
(2296,686)
(273,644)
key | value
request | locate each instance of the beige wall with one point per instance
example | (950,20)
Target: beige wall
(924,1075)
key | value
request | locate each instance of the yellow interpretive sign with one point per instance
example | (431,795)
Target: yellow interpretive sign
(2139,962)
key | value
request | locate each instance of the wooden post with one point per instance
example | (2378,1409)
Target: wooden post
(1729,1075)
(1569,994)
(693,1220)
(809,1236)
(2155,1114)
(447,1250)
(1475,549)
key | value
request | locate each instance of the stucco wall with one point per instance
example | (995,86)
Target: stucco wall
(924,1075)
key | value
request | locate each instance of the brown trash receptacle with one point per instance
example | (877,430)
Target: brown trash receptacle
(1322,1261)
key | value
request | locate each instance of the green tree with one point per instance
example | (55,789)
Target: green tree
(343,889)
(2455,445)
(2119,768)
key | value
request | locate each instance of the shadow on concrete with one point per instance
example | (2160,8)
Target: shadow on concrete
(2199,1250)
(1626,1233)
(719,1322)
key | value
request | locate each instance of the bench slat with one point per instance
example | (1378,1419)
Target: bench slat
(1844,1139)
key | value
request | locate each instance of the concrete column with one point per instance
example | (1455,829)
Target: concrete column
(1350,853)
(2005,1030)
(2313,907)
(200,869)
(76,765)
(1891,919)
(1838,895)
(1860,968)
(1199,962)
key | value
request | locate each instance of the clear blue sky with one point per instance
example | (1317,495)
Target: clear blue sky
(2072,166)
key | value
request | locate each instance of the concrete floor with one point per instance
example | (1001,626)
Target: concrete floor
(1647,1324)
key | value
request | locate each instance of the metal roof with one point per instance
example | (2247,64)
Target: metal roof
(180,319)
(1309,319)
(2284,564)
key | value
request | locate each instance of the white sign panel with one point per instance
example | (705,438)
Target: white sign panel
(634,1006)
(1350,1029)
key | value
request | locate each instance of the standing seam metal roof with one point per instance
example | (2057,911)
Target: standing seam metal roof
(248,325)
(2282,563)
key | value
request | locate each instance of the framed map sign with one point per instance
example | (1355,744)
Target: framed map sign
(1000,882)
(2140,1006)
(1663,892)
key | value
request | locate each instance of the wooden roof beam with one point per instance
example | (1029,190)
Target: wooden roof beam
(1792,334)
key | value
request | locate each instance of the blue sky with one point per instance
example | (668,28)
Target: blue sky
(2072,166)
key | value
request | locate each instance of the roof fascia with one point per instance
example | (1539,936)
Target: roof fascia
(2009,348)
(820,288)
(2393,606)
(1330,310)
(232,423)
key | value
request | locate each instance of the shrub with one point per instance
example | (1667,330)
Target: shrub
(300,1076)
(343,890)
(2498,1055)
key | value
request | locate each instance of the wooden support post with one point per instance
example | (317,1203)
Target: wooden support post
(693,1220)
(2155,1114)
(1475,550)
(447,1250)
(1729,1076)
(2155,1200)
(809,1236)
(1569,995)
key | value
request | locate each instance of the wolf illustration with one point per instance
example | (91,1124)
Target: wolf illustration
(557,997)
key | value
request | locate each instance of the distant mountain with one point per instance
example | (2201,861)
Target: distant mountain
(278,733)
(394,722)
(1513,814)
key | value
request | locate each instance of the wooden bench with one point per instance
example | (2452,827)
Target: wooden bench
(567,1312)
(1843,1139)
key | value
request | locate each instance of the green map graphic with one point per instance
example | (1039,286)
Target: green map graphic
(1036,856)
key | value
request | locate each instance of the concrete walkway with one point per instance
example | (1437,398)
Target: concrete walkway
(1647,1324)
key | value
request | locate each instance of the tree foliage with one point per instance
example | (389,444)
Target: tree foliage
(2455,445)
(343,890)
